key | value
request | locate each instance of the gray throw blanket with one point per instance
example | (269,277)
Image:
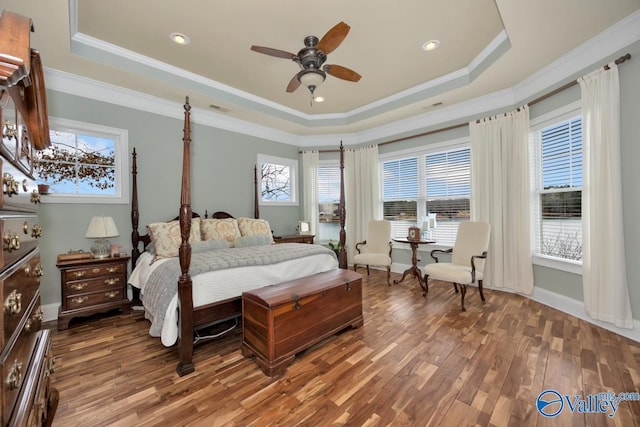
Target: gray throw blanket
(162,285)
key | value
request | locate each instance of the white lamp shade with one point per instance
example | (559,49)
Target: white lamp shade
(101,227)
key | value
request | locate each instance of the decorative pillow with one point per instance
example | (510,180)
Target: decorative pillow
(215,229)
(245,241)
(209,245)
(255,227)
(166,238)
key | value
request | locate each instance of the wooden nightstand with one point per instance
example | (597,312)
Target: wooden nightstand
(294,238)
(92,286)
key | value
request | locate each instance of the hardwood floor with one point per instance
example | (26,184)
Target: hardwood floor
(415,362)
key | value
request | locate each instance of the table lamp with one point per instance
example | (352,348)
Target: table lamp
(101,228)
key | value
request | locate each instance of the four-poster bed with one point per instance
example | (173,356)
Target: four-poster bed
(190,315)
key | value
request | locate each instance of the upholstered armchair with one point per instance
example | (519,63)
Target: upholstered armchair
(376,250)
(467,259)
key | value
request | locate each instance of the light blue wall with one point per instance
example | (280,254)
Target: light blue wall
(222,178)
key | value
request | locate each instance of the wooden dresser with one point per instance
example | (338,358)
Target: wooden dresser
(25,358)
(92,286)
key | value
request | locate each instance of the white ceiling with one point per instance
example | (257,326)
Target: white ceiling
(486,47)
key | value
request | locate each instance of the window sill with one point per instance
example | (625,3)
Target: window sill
(574,267)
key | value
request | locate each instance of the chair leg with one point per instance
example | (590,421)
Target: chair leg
(388,276)
(355,266)
(367,269)
(480,289)
(426,286)
(455,287)
(463,291)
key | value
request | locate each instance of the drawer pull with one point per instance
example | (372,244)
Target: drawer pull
(14,376)
(111,294)
(79,286)
(10,184)
(35,197)
(79,300)
(24,185)
(25,227)
(37,317)
(36,231)
(112,269)
(348,284)
(13,303)
(11,241)
(95,270)
(111,282)
(80,273)
(27,270)
(38,271)
(52,365)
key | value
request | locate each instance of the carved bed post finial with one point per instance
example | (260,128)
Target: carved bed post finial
(185,293)
(342,256)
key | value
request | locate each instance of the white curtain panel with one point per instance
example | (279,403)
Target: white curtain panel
(604,272)
(362,194)
(310,167)
(500,196)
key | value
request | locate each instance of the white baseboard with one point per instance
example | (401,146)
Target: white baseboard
(50,312)
(576,308)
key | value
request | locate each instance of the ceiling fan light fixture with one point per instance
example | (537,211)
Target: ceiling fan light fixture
(311,78)
(318,98)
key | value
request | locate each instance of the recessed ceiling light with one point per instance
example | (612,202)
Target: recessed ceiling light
(179,38)
(430,45)
(319,99)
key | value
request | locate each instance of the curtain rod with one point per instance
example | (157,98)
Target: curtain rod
(532,102)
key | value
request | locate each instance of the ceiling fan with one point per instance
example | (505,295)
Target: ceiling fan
(312,57)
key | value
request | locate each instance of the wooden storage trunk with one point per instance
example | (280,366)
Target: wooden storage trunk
(282,320)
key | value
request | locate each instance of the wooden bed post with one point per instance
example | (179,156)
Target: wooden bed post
(135,215)
(135,218)
(256,209)
(185,293)
(342,256)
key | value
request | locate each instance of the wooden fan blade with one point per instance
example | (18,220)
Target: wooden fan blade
(293,84)
(334,37)
(273,52)
(341,72)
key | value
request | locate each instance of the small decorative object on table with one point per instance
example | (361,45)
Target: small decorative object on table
(414,233)
(304,227)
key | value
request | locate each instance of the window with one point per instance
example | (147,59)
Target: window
(328,202)
(85,163)
(435,180)
(557,177)
(278,181)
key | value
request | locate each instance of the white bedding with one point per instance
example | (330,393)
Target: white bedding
(229,283)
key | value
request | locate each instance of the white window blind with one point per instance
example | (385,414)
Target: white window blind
(557,210)
(432,181)
(328,203)
(400,194)
(448,191)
